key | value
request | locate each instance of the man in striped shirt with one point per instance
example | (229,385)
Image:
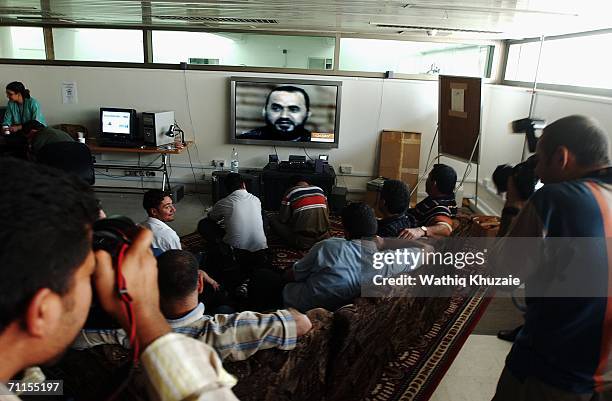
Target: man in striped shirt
(303,219)
(235,337)
(563,352)
(434,214)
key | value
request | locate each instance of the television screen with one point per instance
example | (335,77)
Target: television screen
(116,122)
(301,113)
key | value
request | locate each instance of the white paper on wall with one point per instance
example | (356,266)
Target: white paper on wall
(69,93)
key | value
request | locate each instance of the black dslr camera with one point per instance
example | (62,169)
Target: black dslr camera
(524,177)
(524,172)
(110,235)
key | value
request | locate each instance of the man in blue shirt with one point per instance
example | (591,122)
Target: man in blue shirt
(329,276)
(563,350)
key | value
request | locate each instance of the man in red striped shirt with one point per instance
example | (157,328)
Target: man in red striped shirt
(303,218)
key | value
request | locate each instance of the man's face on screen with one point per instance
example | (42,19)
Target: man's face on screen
(286,111)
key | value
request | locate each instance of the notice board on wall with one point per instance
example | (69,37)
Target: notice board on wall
(459,105)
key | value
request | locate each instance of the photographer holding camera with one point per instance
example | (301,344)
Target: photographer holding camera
(563,350)
(47,265)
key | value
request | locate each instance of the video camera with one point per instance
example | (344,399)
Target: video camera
(523,173)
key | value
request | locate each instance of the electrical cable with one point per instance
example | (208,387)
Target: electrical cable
(307,154)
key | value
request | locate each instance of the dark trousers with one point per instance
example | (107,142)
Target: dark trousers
(232,266)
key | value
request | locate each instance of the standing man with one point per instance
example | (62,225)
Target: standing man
(563,350)
(160,209)
(286,110)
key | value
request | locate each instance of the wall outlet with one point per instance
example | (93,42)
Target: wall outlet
(346,169)
(219,163)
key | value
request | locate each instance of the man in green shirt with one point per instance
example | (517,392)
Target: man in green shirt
(39,136)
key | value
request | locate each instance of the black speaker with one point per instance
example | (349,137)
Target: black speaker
(337,199)
(177,192)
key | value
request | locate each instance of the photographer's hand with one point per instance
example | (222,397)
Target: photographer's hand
(139,268)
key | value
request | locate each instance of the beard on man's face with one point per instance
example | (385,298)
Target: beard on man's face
(284,125)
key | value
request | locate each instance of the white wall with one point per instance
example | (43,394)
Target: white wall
(368,106)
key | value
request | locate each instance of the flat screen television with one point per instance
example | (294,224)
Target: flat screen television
(285,112)
(118,124)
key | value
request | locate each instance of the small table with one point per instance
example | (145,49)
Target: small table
(165,153)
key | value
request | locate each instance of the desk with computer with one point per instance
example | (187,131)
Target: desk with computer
(157,133)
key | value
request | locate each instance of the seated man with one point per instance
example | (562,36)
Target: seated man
(303,218)
(242,231)
(235,337)
(434,214)
(394,199)
(329,276)
(160,209)
(47,264)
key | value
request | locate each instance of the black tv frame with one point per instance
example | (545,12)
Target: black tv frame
(133,135)
(319,145)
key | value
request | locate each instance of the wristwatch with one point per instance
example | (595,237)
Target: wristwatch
(424,230)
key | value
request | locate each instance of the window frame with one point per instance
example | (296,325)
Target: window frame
(147,57)
(585,90)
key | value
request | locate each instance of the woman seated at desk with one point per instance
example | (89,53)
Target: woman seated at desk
(21,107)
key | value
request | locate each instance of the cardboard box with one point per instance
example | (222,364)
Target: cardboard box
(400,153)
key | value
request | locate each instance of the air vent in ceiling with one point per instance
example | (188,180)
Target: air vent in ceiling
(431,28)
(217,19)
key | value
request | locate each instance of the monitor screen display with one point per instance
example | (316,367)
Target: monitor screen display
(116,122)
(301,113)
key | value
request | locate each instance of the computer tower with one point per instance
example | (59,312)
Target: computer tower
(156,126)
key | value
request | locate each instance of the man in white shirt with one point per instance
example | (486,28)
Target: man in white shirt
(161,210)
(236,221)
(240,213)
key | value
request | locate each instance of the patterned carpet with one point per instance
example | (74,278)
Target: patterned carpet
(413,374)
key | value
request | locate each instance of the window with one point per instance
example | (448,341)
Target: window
(87,44)
(408,57)
(22,42)
(243,49)
(583,61)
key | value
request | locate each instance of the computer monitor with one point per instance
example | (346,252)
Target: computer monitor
(118,124)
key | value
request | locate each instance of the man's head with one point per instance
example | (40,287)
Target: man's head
(359,221)
(287,108)
(296,180)
(179,280)
(395,196)
(234,182)
(158,204)
(441,180)
(571,147)
(46,260)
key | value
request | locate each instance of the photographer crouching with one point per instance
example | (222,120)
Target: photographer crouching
(47,266)
(563,350)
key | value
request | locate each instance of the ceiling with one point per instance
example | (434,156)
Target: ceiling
(477,19)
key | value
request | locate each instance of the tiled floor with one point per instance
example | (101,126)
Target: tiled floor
(474,373)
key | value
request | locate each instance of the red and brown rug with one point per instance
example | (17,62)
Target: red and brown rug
(413,374)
